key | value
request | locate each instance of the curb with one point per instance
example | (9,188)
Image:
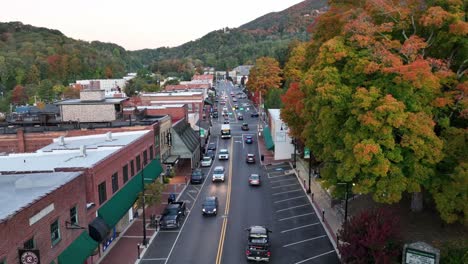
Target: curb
(331,235)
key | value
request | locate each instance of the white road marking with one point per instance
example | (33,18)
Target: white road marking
(191,196)
(285,185)
(283,180)
(169,231)
(297,190)
(285,200)
(284,175)
(303,241)
(289,208)
(134,236)
(296,216)
(296,228)
(305,260)
(153,259)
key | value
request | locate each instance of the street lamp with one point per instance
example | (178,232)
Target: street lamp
(310,173)
(143,200)
(346,203)
(295,145)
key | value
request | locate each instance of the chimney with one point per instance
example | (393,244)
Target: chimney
(83,151)
(61,141)
(109,136)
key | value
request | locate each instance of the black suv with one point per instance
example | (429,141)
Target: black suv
(210,205)
(258,244)
(197,176)
(173,215)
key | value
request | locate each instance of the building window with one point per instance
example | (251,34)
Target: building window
(102,192)
(151,152)
(156,141)
(55,232)
(132,168)
(115,182)
(138,163)
(197,108)
(190,107)
(29,244)
(73,216)
(145,157)
(125,173)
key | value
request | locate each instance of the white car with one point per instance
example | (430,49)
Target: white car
(218,174)
(223,154)
(206,161)
(225,109)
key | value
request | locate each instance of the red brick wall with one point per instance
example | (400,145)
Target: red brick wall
(15,231)
(176,113)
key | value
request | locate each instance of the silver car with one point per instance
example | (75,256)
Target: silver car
(218,174)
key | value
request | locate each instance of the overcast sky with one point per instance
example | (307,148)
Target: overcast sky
(138,24)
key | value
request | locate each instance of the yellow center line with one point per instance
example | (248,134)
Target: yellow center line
(222,236)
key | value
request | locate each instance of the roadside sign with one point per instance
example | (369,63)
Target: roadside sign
(242,108)
(202,132)
(306,153)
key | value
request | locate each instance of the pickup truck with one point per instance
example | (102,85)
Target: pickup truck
(173,215)
(258,245)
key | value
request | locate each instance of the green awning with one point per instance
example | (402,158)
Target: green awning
(114,209)
(79,250)
(270,145)
(153,170)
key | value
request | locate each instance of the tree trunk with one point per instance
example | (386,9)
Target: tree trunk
(417,202)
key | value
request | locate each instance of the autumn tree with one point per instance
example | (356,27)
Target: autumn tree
(264,75)
(292,111)
(383,91)
(370,237)
(18,95)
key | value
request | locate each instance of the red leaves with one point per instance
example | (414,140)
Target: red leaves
(18,95)
(371,237)
(435,16)
(412,46)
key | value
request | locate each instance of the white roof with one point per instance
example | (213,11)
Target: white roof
(275,114)
(17,191)
(56,155)
(172,94)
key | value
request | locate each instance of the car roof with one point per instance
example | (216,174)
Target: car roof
(206,157)
(253,174)
(258,230)
(219,168)
(210,198)
(224,150)
(248,136)
(250,155)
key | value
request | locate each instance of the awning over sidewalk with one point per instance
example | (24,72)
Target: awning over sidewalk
(114,209)
(79,250)
(270,145)
(172,160)
(98,229)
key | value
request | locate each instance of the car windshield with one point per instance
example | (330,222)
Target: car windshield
(218,171)
(209,202)
(259,240)
(254,177)
(206,159)
(223,151)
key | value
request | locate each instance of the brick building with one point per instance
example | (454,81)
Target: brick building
(111,165)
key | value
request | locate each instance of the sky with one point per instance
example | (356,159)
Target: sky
(138,24)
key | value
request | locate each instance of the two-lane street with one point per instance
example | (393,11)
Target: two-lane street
(279,203)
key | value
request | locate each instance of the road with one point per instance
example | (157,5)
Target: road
(279,203)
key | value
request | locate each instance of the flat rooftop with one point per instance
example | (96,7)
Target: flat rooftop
(17,191)
(172,94)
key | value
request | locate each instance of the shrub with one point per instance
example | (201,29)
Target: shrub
(371,237)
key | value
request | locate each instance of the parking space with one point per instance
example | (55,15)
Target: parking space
(299,232)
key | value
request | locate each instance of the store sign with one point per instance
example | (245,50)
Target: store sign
(420,253)
(29,256)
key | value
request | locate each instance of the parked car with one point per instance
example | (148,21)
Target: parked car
(250,158)
(223,154)
(248,139)
(197,176)
(226,121)
(254,179)
(258,244)
(173,215)
(218,174)
(254,114)
(245,126)
(214,114)
(212,146)
(210,153)
(206,161)
(210,205)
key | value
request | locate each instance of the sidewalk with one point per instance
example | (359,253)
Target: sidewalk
(321,200)
(124,249)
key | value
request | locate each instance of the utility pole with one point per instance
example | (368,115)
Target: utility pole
(310,173)
(143,199)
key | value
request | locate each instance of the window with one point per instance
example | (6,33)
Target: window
(151,152)
(73,215)
(102,192)
(55,232)
(132,168)
(29,244)
(138,163)
(156,140)
(125,173)
(115,182)
(190,107)
(145,157)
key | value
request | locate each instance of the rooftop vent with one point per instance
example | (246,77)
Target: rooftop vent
(109,136)
(61,141)
(83,151)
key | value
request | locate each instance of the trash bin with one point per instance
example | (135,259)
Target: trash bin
(262,157)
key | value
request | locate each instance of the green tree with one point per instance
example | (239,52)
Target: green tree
(33,75)
(45,91)
(153,194)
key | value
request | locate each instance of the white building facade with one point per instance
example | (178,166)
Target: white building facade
(284,148)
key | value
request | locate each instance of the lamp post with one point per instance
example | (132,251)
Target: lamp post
(346,204)
(143,200)
(199,141)
(310,173)
(295,145)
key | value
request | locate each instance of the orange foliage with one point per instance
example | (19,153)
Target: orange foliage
(418,73)
(364,152)
(412,46)
(459,28)
(435,16)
